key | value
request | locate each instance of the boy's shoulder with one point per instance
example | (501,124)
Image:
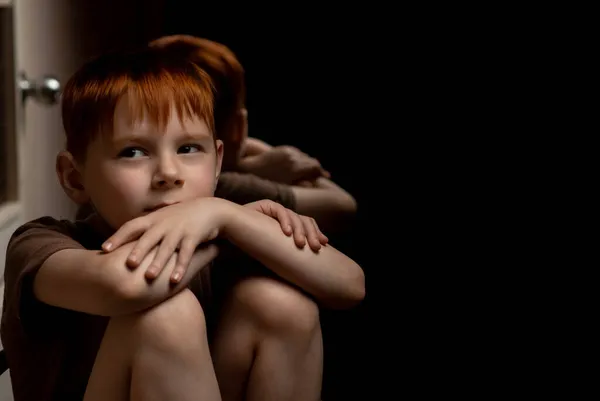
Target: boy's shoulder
(29,247)
(85,232)
(46,223)
(33,242)
(37,233)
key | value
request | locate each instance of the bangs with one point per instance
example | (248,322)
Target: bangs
(154,96)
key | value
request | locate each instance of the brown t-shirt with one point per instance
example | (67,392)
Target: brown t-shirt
(50,350)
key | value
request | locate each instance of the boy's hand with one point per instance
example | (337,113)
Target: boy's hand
(180,227)
(302,227)
(203,255)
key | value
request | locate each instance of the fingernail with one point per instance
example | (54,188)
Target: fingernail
(176,276)
(107,246)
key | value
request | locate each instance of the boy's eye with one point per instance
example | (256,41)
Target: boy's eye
(189,149)
(132,153)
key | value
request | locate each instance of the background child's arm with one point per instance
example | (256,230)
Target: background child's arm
(254,146)
(329,204)
(329,275)
(101,284)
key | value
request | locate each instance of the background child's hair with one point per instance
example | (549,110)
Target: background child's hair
(223,67)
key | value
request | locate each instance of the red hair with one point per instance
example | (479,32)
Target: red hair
(224,69)
(153,84)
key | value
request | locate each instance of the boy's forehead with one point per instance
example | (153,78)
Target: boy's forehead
(131,117)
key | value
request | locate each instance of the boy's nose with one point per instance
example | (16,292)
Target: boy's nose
(167,176)
(167,182)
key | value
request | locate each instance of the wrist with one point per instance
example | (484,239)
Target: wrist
(230,215)
(224,212)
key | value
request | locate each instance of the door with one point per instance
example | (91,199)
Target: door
(31,130)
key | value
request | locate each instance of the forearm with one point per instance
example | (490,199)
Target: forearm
(330,276)
(76,279)
(329,204)
(101,284)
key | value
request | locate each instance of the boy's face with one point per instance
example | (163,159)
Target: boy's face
(140,167)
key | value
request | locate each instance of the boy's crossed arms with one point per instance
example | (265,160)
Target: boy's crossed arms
(178,238)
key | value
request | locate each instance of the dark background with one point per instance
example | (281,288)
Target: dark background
(311,80)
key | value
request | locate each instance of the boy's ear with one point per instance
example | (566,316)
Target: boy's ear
(70,178)
(219,148)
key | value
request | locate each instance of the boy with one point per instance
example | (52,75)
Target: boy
(120,323)
(254,169)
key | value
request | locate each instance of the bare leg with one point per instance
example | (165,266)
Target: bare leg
(268,344)
(158,354)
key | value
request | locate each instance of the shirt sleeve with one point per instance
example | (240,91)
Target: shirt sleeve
(29,247)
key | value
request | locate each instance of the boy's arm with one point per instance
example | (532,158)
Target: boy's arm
(102,284)
(330,276)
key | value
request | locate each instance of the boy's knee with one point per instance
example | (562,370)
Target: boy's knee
(177,320)
(277,306)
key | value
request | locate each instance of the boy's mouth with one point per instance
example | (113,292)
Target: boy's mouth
(160,206)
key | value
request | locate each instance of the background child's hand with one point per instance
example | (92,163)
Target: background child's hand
(302,227)
(285,164)
(180,227)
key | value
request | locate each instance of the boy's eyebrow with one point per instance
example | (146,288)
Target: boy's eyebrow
(196,134)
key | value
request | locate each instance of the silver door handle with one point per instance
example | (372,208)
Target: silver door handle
(45,90)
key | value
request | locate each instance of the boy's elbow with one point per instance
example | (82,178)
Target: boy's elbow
(352,295)
(357,290)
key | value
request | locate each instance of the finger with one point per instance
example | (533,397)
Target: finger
(146,242)
(165,251)
(298,227)
(186,251)
(325,173)
(128,232)
(322,237)
(312,234)
(309,170)
(213,234)
(281,214)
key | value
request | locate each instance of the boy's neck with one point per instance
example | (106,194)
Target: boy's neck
(99,225)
